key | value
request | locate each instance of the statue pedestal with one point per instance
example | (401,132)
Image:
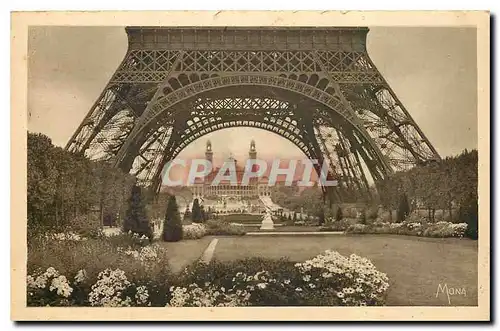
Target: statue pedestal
(267,223)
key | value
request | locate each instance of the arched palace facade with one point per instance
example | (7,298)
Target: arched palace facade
(203,188)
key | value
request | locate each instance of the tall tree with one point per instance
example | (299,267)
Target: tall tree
(203,213)
(321,216)
(172,226)
(196,216)
(403,208)
(470,216)
(42,180)
(187,214)
(339,215)
(136,219)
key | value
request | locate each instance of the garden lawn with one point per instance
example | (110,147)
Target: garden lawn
(415,266)
(285,228)
(185,252)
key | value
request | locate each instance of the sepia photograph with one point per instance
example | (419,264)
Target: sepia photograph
(299,164)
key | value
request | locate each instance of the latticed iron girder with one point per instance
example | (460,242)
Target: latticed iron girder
(208,115)
(156,66)
(107,125)
(168,70)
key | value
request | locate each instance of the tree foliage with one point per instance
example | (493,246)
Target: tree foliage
(310,199)
(436,185)
(403,208)
(469,215)
(136,219)
(196,215)
(156,203)
(339,215)
(172,226)
(63,186)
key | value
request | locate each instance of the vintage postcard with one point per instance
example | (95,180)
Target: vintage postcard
(332,166)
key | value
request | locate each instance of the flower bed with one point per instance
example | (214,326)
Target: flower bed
(445,229)
(68,236)
(335,226)
(212,227)
(194,231)
(439,230)
(328,279)
(216,227)
(140,261)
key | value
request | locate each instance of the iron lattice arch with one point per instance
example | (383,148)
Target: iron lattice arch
(317,87)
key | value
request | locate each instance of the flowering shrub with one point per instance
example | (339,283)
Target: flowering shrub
(48,288)
(357,228)
(82,262)
(111,231)
(206,296)
(413,225)
(109,290)
(441,229)
(327,279)
(343,280)
(114,233)
(69,236)
(194,231)
(129,239)
(146,255)
(446,229)
(217,227)
(335,226)
(112,289)
(212,227)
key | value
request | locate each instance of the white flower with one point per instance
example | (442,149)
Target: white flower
(286,281)
(81,275)
(60,284)
(311,285)
(146,255)
(262,285)
(30,282)
(40,281)
(207,296)
(340,294)
(67,236)
(194,231)
(348,290)
(107,291)
(51,272)
(142,295)
(298,289)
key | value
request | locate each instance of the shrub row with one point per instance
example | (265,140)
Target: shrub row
(212,227)
(439,230)
(328,279)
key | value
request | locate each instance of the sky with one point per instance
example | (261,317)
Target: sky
(431,70)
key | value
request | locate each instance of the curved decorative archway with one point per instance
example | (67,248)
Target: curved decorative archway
(164,103)
(348,114)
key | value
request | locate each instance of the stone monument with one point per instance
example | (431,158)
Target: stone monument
(267,221)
